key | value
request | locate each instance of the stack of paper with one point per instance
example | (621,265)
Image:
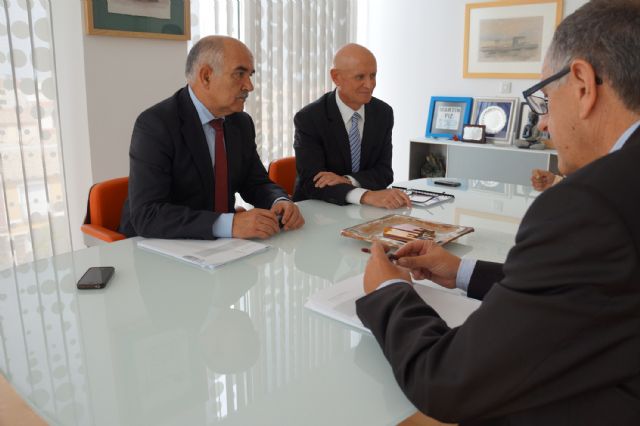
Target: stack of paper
(339,302)
(208,254)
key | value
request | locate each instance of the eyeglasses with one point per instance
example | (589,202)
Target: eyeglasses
(538,104)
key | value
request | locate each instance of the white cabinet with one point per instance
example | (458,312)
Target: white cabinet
(504,163)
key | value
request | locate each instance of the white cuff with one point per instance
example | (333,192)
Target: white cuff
(393,281)
(354,196)
(465,270)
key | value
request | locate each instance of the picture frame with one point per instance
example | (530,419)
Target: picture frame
(474,133)
(508,39)
(498,116)
(447,116)
(161,19)
(523,117)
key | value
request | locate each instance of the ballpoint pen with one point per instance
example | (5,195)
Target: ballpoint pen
(391,256)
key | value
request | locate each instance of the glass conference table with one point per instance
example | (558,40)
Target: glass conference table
(167,343)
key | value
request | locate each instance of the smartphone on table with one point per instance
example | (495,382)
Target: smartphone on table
(96,277)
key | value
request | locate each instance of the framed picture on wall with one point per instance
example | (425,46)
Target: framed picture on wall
(497,115)
(447,116)
(508,39)
(164,19)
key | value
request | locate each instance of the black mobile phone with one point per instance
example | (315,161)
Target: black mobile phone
(446,182)
(96,277)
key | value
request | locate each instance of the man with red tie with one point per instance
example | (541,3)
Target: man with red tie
(192,152)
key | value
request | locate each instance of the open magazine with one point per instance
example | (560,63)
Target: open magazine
(208,254)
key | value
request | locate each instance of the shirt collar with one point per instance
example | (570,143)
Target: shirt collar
(624,137)
(203,113)
(345,111)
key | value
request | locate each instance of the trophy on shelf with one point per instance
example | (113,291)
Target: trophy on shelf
(531,135)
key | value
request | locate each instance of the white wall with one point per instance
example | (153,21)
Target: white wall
(103,84)
(419,46)
(66,19)
(125,76)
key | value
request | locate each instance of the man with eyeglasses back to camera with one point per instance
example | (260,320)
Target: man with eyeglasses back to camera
(556,340)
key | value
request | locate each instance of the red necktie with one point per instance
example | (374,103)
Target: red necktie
(221,204)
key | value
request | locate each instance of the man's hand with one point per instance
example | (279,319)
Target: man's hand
(323,179)
(386,198)
(427,260)
(542,179)
(379,269)
(255,223)
(291,216)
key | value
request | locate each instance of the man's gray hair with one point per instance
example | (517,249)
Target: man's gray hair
(208,50)
(605,33)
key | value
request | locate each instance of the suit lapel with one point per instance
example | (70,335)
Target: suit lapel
(194,139)
(338,130)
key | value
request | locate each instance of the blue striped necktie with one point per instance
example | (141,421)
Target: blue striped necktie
(354,143)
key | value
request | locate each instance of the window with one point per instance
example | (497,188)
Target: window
(293,43)
(33,211)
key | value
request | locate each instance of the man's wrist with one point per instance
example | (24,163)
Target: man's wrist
(353,181)
(277,200)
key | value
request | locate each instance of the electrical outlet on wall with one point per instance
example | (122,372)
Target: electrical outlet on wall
(505,87)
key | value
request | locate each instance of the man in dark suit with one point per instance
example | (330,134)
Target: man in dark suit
(192,152)
(343,140)
(556,340)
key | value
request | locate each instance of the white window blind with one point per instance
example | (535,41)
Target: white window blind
(293,43)
(33,213)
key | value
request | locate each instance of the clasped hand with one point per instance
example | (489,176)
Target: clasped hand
(323,179)
(261,223)
(422,259)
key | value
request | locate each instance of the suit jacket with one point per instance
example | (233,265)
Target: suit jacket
(322,144)
(556,340)
(171,180)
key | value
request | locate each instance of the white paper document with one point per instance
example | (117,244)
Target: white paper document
(339,302)
(208,254)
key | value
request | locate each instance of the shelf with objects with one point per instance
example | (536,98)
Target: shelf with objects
(502,143)
(431,157)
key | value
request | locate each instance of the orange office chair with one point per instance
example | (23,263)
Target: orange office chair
(103,211)
(283,172)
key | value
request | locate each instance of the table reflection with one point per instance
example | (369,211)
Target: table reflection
(169,343)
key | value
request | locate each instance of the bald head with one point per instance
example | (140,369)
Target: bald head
(354,74)
(351,53)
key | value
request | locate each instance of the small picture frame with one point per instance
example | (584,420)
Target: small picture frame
(474,133)
(498,116)
(163,19)
(447,116)
(523,118)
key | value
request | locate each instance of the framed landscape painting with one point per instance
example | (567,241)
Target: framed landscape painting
(165,19)
(508,39)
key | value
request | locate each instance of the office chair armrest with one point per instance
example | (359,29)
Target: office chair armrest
(102,233)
